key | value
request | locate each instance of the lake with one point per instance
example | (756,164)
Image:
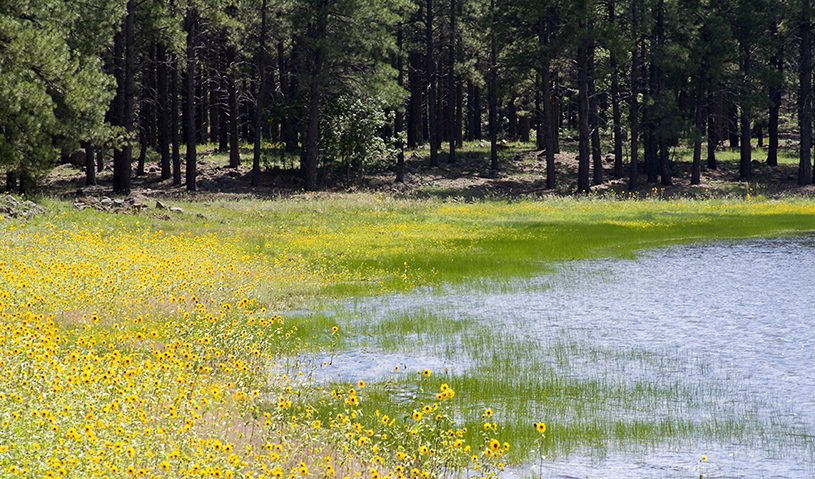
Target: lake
(714,343)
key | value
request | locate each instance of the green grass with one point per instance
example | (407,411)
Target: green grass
(786,155)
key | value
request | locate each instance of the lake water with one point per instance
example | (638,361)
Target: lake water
(737,317)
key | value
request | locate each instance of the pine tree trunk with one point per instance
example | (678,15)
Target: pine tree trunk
(234,117)
(664,156)
(493,98)
(203,105)
(633,109)
(175,123)
(118,104)
(548,129)
(459,113)
(451,85)
(776,93)
(415,134)
(288,125)
(473,112)
(733,124)
(594,120)
(712,137)
(284,92)
(745,158)
(477,113)
(432,125)
(122,168)
(651,129)
(146,114)
(90,163)
(805,98)
(616,116)
(540,118)
(555,105)
(261,94)
(441,112)
(163,110)
(143,142)
(215,102)
(189,113)
(399,120)
(772,129)
(468,130)
(696,169)
(315,94)
(312,134)
(584,133)
(512,118)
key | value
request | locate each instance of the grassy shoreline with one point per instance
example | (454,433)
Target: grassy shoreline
(181,320)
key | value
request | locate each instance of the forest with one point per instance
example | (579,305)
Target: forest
(339,86)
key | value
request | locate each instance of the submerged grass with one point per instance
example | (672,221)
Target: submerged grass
(188,311)
(595,399)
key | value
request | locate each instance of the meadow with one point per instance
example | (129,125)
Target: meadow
(140,346)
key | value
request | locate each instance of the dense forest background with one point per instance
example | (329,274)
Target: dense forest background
(341,85)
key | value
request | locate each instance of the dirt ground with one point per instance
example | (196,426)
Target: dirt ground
(522,173)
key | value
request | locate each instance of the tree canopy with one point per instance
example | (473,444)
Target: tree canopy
(54,91)
(342,84)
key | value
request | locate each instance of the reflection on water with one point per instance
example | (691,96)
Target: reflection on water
(740,315)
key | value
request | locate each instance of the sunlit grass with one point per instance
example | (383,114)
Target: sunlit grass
(787,154)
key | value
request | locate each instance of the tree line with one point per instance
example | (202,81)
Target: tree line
(341,84)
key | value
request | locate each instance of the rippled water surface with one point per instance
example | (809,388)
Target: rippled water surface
(737,316)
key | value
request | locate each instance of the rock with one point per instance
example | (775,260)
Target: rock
(160,205)
(13,207)
(175,209)
(135,202)
(132,204)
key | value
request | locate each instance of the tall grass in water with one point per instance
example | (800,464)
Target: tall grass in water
(593,399)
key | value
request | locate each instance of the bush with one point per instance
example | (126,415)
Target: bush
(350,136)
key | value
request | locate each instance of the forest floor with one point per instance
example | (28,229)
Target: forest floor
(522,173)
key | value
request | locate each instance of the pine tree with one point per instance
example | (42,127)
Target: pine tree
(55,91)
